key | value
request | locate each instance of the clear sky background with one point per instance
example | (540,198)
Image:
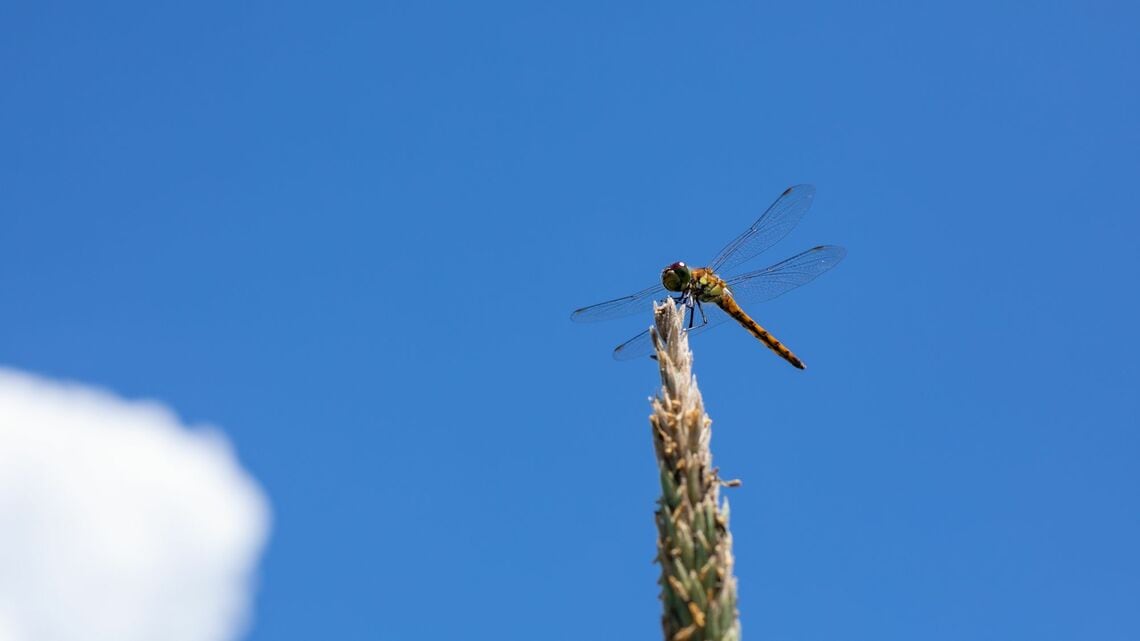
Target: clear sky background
(351,236)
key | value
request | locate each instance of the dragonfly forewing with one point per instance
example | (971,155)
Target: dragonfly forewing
(775,223)
(625,306)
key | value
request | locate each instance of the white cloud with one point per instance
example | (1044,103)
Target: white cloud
(117,522)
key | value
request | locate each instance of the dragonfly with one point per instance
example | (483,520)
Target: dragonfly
(702,291)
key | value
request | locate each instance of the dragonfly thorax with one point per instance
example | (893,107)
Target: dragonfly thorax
(700,284)
(706,286)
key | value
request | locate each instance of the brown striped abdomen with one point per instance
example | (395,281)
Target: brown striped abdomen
(732,309)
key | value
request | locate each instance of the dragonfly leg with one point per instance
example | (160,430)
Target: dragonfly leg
(704,319)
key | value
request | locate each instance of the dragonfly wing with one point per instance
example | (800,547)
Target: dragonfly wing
(775,223)
(641,345)
(770,282)
(618,307)
(637,347)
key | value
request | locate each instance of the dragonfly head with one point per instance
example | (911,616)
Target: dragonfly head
(676,277)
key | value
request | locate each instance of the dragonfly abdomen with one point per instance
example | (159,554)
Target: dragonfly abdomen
(730,307)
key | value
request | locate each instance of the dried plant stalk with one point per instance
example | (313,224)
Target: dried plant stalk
(694,546)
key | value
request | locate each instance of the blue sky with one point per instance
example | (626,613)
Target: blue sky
(351,236)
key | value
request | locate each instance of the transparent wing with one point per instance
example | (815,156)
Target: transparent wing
(618,307)
(770,282)
(641,345)
(775,223)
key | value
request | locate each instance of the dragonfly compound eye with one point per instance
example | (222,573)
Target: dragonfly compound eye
(676,277)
